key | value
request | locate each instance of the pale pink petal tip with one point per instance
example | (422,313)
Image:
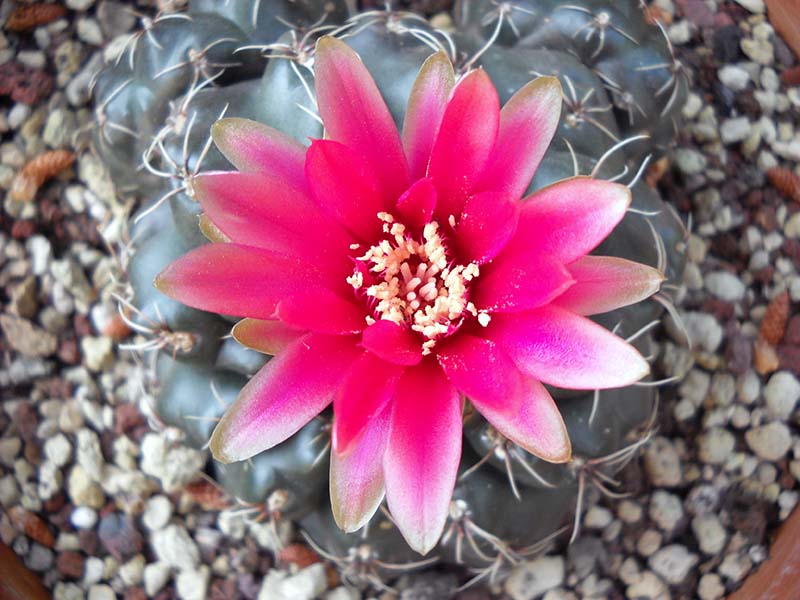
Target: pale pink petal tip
(256,147)
(283,396)
(605,283)
(421,463)
(568,219)
(269,337)
(356,476)
(426,105)
(210,231)
(559,347)
(464,141)
(536,425)
(355,114)
(528,122)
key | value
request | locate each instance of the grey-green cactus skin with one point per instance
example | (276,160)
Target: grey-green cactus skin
(154,109)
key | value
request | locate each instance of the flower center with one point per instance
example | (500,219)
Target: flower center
(413,282)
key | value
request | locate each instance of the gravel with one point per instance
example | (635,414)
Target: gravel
(532,579)
(721,473)
(771,441)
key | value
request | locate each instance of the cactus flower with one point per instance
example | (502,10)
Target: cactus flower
(399,273)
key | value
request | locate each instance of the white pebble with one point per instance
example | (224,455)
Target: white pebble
(725,286)
(733,77)
(781,394)
(673,563)
(770,442)
(83,517)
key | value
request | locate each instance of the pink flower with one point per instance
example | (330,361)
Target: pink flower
(397,273)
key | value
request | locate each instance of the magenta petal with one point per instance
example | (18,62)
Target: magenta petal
(345,188)
(230,279)
(420,463)
(570,218)
(488,221)
(269,337)
(416,205)
(356,476)
(464,141)
(254,147)
(517,281)
(527,124)
(604,283)
(366,390)
(355,114)
(556,346)
(284,395)
(535,423)
(481,371)
(392,342)
(426,106)
(518,407)
(265,212)
(322,311)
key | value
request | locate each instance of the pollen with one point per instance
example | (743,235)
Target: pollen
(413,282)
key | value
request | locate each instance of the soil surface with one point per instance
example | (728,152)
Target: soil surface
(98,505)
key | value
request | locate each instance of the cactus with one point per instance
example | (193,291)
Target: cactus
(155,107)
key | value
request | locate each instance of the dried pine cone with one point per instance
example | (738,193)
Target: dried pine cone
(786,182)
(773,326)
(37,171)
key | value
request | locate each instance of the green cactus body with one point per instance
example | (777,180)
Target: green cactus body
(155,107)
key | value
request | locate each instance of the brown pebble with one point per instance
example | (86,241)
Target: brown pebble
(208,495)
(32,453)
(791,77)
(767,218)
(722,311)
(116,328)
(763,275)
(119,536)
(61,518)
(300,555)
(82,325)
(55,504)
(69,352)
(223,589)
(754,198)
(792,336)
(89,541)
(791,249)
(789,358)
(31,525)
(725,246)
(126,418)
(26,420)
(25,18)
(70,564)
(21,230)
(134,593)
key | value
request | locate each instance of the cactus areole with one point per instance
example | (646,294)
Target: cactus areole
(401,273)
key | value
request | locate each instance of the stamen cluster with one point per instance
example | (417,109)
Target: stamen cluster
(415,282)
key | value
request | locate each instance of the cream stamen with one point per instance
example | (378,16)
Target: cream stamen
(430,298)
